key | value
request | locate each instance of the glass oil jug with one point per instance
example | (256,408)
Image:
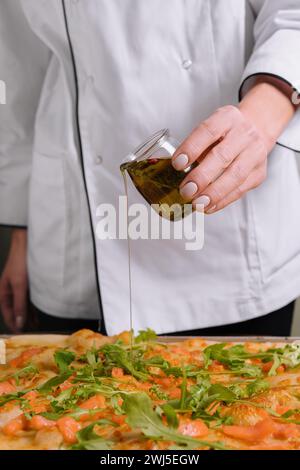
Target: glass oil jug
(151,171)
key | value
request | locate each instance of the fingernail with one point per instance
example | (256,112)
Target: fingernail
(188,191)
(180,162)
(202,202)
(211,210)
(19,322)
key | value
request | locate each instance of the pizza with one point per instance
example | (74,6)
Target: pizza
(93,392)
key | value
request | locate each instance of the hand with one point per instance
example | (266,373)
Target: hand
(238,162)
(14,283)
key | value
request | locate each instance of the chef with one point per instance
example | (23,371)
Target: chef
(88,80)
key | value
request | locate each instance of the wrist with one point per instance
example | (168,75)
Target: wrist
(269,108)
(19,236)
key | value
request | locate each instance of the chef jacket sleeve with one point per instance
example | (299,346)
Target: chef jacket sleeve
(23,62)
(276,54)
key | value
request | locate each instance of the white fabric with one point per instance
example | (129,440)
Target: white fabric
(131,58)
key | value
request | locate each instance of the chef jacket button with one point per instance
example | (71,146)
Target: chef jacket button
(186,64)
(99,160)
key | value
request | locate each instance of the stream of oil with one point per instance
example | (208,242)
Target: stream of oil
(124,175)
(158,182)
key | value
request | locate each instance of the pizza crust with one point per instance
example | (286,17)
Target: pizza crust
(36,340)
(2,351)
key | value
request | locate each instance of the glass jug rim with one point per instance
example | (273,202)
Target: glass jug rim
(151,144)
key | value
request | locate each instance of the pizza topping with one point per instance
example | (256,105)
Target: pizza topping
(140,414)
(287,431)
(6,387)
(97,401)
(238,359)
(89,439)
(24,357)
(251,433)
(95,405)
(38,422)
(53,383)
(33,402)
(193,428)
(68,428)
(145,336)
(67,384)
(117,372)
(272,367)
(123,392)
(26,372)
(63,359)
(15,425)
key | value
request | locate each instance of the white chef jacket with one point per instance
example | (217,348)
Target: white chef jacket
(88,80)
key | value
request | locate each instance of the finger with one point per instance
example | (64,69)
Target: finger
(234,176)
(19,304)
(217,160)
(6,304)
(205,135)
(253,181)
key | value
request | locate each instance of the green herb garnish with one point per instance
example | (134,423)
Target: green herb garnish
(140,415)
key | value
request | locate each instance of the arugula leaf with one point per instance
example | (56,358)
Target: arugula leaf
(212,352)
(247,370)
(115,404)
(11,396)
(87,373)
(235,358)
(54,382)
(68,399)
(89,440)
(171,415)
(63,359)
(157,361)
(213,420)
(158,392)
(145,335)
(93,361)
(290,413)
(64,401)
(199,395)
(91,357)
(78,412)
(86,390)
(175,371)
(289,355)
(140,414)
(50,415)
(203,394)
(184,392)
(30,369)
(219,392)
(116,356)
(276,364)
(256,387)
(188,371)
